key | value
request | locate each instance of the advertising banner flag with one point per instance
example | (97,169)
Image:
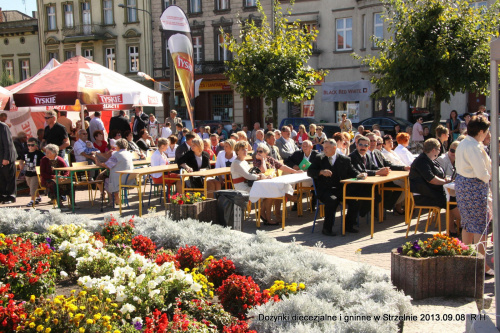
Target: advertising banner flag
(178,33)
(346,91)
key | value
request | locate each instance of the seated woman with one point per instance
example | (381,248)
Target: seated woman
(99,141)
(226,157)
(242,137)
(402,151)
(172,146)
(195,160)
(442,134)
(206,147)
(158,158)
(320,138)
(120,160)
(132,146)
(265,162)
(50,161)
(447,162)
(427,178)
(240,168)
(146,141)
(342,145)
(387,151)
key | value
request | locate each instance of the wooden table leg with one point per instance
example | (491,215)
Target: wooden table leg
(344,210)
(373,210)
(57,191)
(119,192)
(257,214)
(71,173)
(283,214)
(407,202)
(164,190)
(381,204)
(140,196)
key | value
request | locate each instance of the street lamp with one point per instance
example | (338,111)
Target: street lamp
(151,33)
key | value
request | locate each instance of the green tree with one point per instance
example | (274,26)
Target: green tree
(271,62)
(6,80)
(438,46)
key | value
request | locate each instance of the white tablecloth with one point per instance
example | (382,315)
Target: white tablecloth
(276,187)
(450,187)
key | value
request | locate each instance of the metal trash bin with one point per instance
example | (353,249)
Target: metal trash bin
(230,207)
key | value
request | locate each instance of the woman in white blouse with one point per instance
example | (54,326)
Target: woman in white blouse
(159,158)
(387,151)
(404,154)
(473,166)
(172,146)
(240,169)
(226,156)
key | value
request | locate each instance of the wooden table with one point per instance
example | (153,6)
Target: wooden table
(374,181)
(72,171)
(138,173)
(203,173)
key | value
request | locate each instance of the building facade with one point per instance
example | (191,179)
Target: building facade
(20,52)
(217,99)
(100,30)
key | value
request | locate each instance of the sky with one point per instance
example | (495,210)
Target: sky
(19,5)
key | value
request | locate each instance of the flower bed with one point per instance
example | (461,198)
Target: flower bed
(270,279)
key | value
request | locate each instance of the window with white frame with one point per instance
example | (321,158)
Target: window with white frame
(378,27)
(195,6)
(344,34)
(51,18)
(53,55)
(25,69)
(9,68)
(167,3)
(69,54)
(89,54)
(107,8)
(197,49)
(222,4)
(133,58)
(68,15)
(131,11)
(250,3)
(223,53)
(111,58)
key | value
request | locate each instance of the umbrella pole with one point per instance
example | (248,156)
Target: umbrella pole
(82,115)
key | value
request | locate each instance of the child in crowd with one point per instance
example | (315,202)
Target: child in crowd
(29,161)
(90,148)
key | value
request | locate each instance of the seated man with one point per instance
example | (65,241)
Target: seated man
(327,170)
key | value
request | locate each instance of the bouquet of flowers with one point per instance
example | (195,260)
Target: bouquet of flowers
(187,199)
(438,245)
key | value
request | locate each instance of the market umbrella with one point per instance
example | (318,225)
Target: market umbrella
(5,99)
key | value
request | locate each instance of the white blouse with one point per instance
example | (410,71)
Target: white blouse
(171,152)
(404,154)
(472,161)
(158,159)
(392,157)
(221,159)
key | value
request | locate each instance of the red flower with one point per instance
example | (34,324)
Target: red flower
(189,257)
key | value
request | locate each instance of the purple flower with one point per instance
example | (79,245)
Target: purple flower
(416,247)
(400,250)
(138,325)
(48,240)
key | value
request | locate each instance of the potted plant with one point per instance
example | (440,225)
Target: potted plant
(438,266)
(192,205)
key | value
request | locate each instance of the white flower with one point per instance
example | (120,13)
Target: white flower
(152,284)
(64,274)
(120,296)
(154,292)
(72,254)
(98,244)
(140,278)
(136,299)
(127,308)
(196,287)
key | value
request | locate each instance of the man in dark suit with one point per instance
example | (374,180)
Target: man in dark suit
(362,161)
(327,170)
(140,121)
(285,144)
(215,145)
(8,156)
(185,147)
(119,123)
(295,160)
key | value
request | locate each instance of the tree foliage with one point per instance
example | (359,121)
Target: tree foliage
(438,46)
(273,64)
(6,80)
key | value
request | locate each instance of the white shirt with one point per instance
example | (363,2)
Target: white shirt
(404,155)
(416,136)
(96,124)
(171,152)
(166,132)
(78,149)
(472,161)
(392,157)
(332,159)
(339,151)
(221,159)
(158,159)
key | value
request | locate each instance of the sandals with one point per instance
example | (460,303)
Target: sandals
(271,223)
(490,272)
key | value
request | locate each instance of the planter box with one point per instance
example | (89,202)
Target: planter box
(205,211)
(421,278)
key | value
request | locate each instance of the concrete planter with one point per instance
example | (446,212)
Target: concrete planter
(421,278)
(205,211)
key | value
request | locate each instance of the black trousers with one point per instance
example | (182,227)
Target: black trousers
(331,201)
(7,181)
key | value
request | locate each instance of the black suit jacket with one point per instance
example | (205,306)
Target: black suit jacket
(381,160)
(119,123)
(142,122)
(298,156)
(341,169)
(357,163)
(190,159)
(180,151)
(7,148)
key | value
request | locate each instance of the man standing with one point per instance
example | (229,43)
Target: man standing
(55,133)
(253,136)
(285,144)
(96,124)
(269,128)
(418,136)
(259,138)
(3,118)
(173,119)
(21,144)
(119,123)
(293,133)
(140,121)
(327,170)
(65,121)
(234,129)
(8,167)
(247,132)
(214,144)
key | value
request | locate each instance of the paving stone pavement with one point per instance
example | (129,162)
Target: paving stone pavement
(376,252)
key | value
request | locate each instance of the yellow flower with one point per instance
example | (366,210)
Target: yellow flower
(83,293)
(116,331)
(82,308)
(108,300)
(90,321)
(81,330)
(203,198)
(55,321)
(47,330)
(302,286)
(32,299)
(97,316)
(32,325)
(38,311)
(39,328)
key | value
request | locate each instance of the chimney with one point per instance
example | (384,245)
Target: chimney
(1,15)
(34,14)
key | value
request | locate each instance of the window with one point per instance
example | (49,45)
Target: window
(133,58)
(167,3)
(197,49)
(8,67)
(363,32)
(344,34)
(107,7)
(51,18)
(110,58)
(86,18)
(89,54)
(378,28)
(194,6)
(222,106)
(222,4)
(69,54)
(131,12)
(25,69)
(54,55)
(250,3)
(293,110)
(223,53)
(308,27)
(68,15)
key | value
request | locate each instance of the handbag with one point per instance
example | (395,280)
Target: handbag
(252,171)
